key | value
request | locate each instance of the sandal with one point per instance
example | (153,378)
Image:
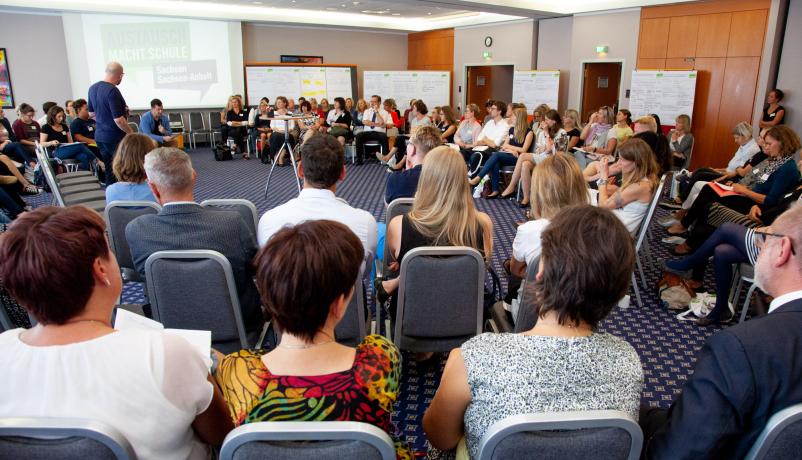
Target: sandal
(31,189)
(246,156)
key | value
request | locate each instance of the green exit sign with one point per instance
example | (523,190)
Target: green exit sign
(487,55)
(602,49)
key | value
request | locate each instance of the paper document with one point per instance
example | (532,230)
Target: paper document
(199,340)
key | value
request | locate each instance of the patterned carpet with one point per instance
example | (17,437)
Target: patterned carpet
(667,346)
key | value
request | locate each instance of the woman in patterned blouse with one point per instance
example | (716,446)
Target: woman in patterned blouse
(306,276)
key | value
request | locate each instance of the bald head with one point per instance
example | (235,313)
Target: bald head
(790,223)
(779,264)
(114,73)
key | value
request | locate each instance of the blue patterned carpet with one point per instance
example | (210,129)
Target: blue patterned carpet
(667,346)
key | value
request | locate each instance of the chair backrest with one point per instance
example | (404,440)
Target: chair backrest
(118,214)
(353,325)
(135,118)
(440,298)
(67,438)
(176,120)
(576,435)
(196,121)
(397,207)
(134,126)
(644,225)
(526,318)
(214,120)
(781,438)
(307,440)
(195,289)
(5,321)
(246,209)
(50,176)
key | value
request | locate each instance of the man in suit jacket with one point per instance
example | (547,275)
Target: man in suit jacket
(745,373)
(184,224)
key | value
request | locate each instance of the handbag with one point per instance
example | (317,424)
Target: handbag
(338,131)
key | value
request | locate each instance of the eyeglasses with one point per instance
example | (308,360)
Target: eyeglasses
(761,237)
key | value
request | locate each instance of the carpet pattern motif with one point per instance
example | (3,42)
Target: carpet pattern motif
(666,345)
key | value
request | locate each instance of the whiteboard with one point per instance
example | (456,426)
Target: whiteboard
(668,93)
(535,87)
(433,87)
(296,81)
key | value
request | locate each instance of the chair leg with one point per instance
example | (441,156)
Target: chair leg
(637,291)
(640,271)
(747,301)
(735,292)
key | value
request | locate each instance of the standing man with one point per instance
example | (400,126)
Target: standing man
(156,125)
(106,103)
(374,121)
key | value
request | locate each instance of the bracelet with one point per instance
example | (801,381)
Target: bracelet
(601,182)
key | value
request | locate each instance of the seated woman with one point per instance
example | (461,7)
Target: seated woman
(281,130)
(553,134)
(681,140)
(129,169)
(27,130)
(357,115)
(515,146)
(392,130)
(9,169)
(56,133)
(339,121)
(236,118)
(639,180)
(311,119)
(443,214)
(764,185)
(773,112)
(572,124)
(12,184)
(563,363)
(418,118)
(153,387)
(260,124)
(595,135)
(556,184)
(309,376)
(448,124)
(468,131)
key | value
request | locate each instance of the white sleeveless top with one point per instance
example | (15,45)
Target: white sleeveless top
(632,215)
(147,384)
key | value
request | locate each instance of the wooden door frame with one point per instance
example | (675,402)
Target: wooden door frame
(464,95)
(621,91)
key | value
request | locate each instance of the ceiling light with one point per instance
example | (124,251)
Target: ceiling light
(355,3)
(396,14)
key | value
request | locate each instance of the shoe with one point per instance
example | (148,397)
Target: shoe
(686,274)
(673,240)
(670,205)
(681,250)
(246,156)
(492,197)
(523,205)
(676,232)
(31,189)
(507,196)
(668,221)
(712,321)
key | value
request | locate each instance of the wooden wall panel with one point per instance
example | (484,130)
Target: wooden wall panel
(679,64)
(653,39)
(682,34)
(714,35)
(746,33)
(651,64)
(432,48)
(703,7)
(739,86)
(704,122)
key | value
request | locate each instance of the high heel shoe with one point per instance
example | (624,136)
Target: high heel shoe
(506,196)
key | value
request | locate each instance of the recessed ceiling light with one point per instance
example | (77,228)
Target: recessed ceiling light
(257,3)
(343,5)
(429,13)
(355,3)
(396,14)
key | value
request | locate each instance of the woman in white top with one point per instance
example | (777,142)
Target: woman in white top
(153,387)
(469,128)
(639,180)
(595,134)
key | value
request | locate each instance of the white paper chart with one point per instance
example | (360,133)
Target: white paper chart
(293,82)
(668,93)
(433,87)
(535,87)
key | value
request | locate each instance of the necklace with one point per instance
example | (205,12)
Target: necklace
(304,346)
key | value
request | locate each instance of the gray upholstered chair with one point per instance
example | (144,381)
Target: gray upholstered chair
(195,289)
(353,327)
(526,317)
(246,209)
(579,435)
(332,441)
(95,198)
(642,250)
(781,439)
(440,298)
(118,214)
(198,128)
(66,439)
(5,321)
(397,207)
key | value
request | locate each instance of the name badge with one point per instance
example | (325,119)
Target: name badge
(91,128)
(765,177)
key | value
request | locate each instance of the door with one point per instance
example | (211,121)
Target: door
(600,86)
(480,85)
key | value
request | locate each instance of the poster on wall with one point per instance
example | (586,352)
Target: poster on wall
(6,94)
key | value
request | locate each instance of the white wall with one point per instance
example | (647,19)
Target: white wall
(788,77)
(618,30)
(554,52)
(513,43)
(37,59)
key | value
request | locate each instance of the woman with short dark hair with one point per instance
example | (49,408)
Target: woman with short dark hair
(563,363)
(309,376)
(129,169)
(56,133)
(152,386)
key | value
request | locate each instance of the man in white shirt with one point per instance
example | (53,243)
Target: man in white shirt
(492,135)
(374,119)
(322,166)
(745,373)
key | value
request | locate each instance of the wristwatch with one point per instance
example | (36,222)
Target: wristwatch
(601,181)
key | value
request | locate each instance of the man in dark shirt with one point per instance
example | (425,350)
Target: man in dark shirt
(111,114)
(405,184)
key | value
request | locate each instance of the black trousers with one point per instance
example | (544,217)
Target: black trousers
(240,135)
(277,141)
(708,196)
(365,136)
(701,174)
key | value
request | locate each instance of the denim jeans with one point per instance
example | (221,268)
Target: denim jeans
(493,167)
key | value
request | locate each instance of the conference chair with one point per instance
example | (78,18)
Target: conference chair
(134,127)
(215,124)
(5,320)
(397,207)
(353,326)
(526,318)
(371,143)
(577,435)
(176,122)
(65,178)
(197,128)
(195,289)
(246,210)
(440,298)
(746,275)
(642,246)
(781,439)
(118,215)
(135,118)
(94,199)
(66,438)
(307,440)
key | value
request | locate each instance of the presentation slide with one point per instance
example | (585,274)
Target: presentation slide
(185,63)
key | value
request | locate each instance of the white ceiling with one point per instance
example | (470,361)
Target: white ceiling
(399,15)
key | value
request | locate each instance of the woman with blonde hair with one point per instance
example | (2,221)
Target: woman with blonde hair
(443,214)
(129,169)
(631,200)
(515,146)
(572,124)
(595,134)
(359,110)
(236,119)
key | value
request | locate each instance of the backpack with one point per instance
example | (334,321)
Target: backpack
(222,152)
